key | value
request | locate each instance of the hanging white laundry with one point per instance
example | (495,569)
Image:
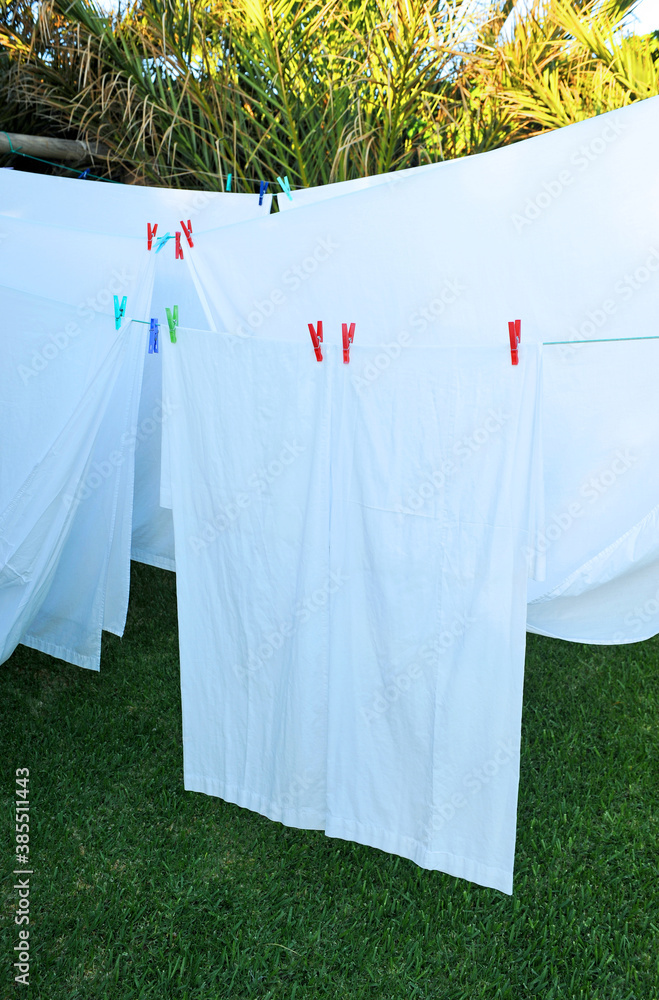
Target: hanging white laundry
(602,493)
(120,210)
(576,232)
(176,283)
(351,578)
(69,391)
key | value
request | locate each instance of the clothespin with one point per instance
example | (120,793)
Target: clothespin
(84,174)
(162,240)
(229,182)
(153,337)
(179,248)
(172,322)
(262,190)
(317,339)
(150,235)
(119,311)
(188,232)
(515,334)
(348,337)
(286,187)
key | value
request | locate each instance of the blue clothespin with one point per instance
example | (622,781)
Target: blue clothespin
(84,174)
(153,337)
(119,311)
(262,190)
(162,240)
(229,182)
(286,187)
(172,322)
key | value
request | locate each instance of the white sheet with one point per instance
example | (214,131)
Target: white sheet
(572,227)
(121,210)
(351,579)
(69,390)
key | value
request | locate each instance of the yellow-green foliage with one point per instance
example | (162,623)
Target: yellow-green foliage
(184,93)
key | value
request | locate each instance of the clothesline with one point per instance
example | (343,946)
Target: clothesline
(601,340)
(263,185)
(60,166)
(545,343)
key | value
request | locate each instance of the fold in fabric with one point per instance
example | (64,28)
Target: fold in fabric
(67,559)
(600,534)
(51,506)
(116,210)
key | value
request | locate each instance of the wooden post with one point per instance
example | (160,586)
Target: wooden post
(69,150)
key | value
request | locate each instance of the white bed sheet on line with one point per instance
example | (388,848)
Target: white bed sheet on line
(125,210)
(68,401)
(582,248)
(316,571)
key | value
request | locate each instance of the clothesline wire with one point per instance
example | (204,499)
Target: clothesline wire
(601,340)
(546,343)
(62,166)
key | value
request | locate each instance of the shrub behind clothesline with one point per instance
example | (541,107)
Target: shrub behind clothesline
(185,93)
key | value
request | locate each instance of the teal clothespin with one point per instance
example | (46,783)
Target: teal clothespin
(229,182)
(162,240)
(119,311)
(286,187)
(172,322)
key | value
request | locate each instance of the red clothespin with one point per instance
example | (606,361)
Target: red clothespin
(317,339)
(179,248)
(515,333)
(150,234)
(348,337)
(188,231)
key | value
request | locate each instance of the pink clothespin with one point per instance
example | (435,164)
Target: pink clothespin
(515,333)
(317,339)
(179,248)
(188,231)
(348,337)
(150,234)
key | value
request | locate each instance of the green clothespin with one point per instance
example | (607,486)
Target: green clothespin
(172,322)
(119,311)
(229,182)
(286,187)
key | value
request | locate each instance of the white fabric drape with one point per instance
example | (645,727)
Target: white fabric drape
(353,541)
(69,391)
(351,610)
(124,211)
(568,225)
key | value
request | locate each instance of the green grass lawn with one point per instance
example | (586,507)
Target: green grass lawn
(141,889)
